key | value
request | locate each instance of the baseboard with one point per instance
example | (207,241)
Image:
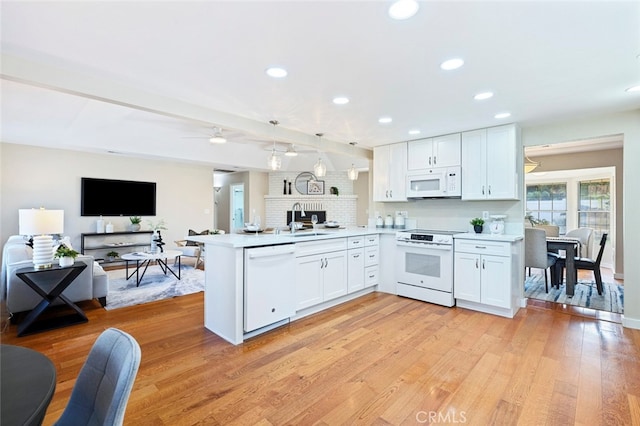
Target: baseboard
(630,322)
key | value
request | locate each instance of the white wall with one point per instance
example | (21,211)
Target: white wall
(41,177)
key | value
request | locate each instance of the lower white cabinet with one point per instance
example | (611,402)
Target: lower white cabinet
(320,275)
(482,279)
(356,270)
(486,275)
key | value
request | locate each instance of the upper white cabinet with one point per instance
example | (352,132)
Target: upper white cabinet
(389,172)
(489,163)
(441,151)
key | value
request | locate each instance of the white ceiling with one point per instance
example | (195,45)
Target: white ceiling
(143,77)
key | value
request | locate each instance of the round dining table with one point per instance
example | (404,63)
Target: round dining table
(27,384)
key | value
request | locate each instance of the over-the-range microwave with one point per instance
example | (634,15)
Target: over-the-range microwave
(441,182)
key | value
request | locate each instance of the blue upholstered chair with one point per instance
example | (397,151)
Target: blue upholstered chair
(102,389)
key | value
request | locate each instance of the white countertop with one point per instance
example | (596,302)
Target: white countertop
(264,239)
(489,237)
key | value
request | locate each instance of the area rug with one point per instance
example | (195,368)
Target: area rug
(585,295)
(154,286)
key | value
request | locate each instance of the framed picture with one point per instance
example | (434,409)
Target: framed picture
(315,187)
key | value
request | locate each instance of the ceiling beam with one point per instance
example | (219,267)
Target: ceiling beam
(91,87)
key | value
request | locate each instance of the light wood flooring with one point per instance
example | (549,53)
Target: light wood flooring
(380,359)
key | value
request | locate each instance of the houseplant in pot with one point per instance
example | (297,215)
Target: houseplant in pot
(135,223)
(112,255)
(477,224)
(65,255)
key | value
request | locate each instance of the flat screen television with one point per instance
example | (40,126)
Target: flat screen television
(109,197)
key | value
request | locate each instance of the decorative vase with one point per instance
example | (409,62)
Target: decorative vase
(478,229)
(65,261)
(134,227)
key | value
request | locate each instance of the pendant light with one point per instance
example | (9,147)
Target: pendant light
(274,161)
(352,173)
(529,165)
(319,169)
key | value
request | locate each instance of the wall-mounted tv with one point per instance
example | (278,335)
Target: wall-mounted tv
(109,197)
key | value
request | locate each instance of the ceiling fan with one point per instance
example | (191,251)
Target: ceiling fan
(215,137)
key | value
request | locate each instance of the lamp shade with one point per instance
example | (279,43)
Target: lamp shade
(40,221)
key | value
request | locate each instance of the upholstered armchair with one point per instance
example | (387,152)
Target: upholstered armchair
(92,283)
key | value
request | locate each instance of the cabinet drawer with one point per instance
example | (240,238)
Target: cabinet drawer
(324,246)
(355,242)
(371,274)
(371,240)
(371,255)
(496,248)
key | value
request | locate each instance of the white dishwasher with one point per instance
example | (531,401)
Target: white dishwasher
(269,285)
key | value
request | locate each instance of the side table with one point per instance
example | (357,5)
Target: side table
(58,279)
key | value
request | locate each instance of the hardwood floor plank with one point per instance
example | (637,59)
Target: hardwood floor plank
(377,360)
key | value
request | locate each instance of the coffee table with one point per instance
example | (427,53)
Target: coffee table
(145,259)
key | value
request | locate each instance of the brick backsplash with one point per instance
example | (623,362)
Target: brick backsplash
(341,208)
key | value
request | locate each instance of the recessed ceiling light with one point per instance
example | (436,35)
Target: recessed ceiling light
(276,72)
(340,100)
(452,64)
(385,120)
(482,96)
(403,9)
(503,115)
(414,132)
(633,89)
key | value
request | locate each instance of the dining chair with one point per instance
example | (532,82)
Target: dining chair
(101,392)
(586,240)
(535,253)
(586,264)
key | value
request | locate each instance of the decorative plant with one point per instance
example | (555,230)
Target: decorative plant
(64,251)
(135,220)
(477,221)
(157,226)
(113,254)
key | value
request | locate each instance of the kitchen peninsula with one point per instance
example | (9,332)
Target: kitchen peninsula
(256,282)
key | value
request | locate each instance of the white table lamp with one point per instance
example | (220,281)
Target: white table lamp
(41,224)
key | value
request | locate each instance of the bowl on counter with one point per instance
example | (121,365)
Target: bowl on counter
(331,224)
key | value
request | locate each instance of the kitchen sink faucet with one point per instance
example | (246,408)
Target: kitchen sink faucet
(293,216)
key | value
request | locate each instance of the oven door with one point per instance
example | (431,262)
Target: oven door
(425,265)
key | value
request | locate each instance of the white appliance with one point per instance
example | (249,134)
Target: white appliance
(441,182)
(269,285)
(425,265)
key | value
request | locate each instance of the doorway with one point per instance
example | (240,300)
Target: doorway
(237,207)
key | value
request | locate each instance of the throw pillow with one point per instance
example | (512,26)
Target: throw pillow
(193,233)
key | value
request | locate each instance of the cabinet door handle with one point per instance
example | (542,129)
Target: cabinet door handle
(434,160)
(391,193)
(326,262)
(355,256)
(386,193)
(481,247)
(482,189)
(483,264)
(429,160)
(489,189)
(476,263)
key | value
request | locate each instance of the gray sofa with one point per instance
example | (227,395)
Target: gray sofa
(92,283)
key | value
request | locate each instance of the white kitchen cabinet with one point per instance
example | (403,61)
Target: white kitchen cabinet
(389,172)
(371,260)
(321,271)
(485,275)
(440,151)
(490,163)
(356,270)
